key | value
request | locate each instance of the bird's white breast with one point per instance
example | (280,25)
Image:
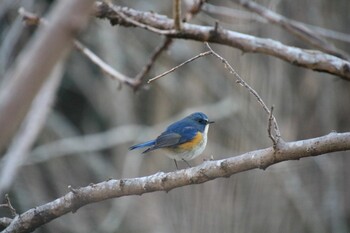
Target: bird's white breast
(196,151)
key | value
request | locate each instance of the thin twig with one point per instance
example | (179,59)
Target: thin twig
(250,89)
(177,14)
(194,10)
(178,66)
(109,71)
(157,52)
(298,29)
(104,67)
(9,205)
(269,132)
(234,14)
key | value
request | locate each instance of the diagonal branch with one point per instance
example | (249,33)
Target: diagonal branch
(32,67)
(310,59)
(235,14)
(164,46)
(109,71)
(178,66)
(296,28)
(209,170)
(193,11)
(18,151)
(253,92)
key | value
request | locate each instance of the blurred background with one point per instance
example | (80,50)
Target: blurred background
(95,119)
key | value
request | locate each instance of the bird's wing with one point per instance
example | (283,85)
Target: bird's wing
(175,137)
(167,139)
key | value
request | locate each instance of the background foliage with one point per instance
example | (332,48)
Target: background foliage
(311,195)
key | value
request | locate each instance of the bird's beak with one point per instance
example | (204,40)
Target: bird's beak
(211,122)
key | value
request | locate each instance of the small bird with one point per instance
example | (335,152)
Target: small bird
(183,140)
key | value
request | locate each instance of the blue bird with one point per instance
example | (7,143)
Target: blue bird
(183,140)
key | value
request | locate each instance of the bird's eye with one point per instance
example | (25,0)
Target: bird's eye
(202,121)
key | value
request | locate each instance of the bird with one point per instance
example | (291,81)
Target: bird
(183,140)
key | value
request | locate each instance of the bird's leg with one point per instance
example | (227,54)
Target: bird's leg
(186,163)
(177,168)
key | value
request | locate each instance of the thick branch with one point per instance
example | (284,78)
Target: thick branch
(160,181)
(33,66)
(310,59)
(4,222)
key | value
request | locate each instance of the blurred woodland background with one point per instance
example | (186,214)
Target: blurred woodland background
(95,119)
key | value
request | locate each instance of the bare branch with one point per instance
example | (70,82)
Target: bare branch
(250,89)
(249,16)
(269,126)
(310,59)
(193,11)
(295,28)
(27,77)
(4,222)
(32,19)
(178,66)
(9,205)
(86,143)
(21,145)
(164,46)
(177,14)
(209,170)
(124,18)
(104,67)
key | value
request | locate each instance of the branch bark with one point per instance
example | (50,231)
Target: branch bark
(177,14)
(209,170)
(311,59)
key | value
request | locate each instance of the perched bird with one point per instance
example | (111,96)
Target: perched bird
(183,140)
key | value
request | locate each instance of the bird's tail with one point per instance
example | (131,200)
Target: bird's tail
(143,145)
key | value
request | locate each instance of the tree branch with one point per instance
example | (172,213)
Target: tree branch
(33,65)
(234,14)
(310,59)
(18,150)
(177,14)
(295,28)
(4,222)
(243,83)
(157,52)
(109,71)
(178,66)
(209,170)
